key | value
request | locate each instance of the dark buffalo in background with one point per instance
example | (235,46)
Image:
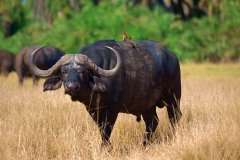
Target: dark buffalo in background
(133,80)
(6,62)
(45,59)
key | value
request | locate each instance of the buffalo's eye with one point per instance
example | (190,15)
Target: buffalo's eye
(85,71)
(64,70)
(82,70)
(79,70)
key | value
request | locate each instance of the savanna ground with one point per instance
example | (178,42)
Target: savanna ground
(37,125)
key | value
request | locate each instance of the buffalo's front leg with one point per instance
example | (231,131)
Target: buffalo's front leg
(105,119)
(151,121)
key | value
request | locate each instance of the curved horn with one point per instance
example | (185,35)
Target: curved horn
(98,70)
(48,72)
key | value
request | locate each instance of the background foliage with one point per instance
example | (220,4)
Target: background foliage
(71,24)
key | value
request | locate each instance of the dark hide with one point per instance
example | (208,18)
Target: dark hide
(149,77)
(45,59)
(6,62)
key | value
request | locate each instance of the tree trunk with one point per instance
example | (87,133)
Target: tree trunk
(75,4)
(210,8)
(7,28)
(40,10)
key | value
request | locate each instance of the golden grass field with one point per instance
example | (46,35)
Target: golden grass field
(37,125)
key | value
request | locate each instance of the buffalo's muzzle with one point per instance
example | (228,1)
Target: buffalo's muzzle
(72,86)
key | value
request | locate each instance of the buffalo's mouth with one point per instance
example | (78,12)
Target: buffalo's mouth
(75,90)
(71,92)
(74,94)
(74,98)
(72,87)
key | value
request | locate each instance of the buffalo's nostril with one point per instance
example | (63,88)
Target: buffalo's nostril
(72,86)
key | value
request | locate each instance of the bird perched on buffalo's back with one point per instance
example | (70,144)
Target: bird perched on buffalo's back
(128,39)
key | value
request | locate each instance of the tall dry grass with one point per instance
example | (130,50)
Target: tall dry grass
(37,125)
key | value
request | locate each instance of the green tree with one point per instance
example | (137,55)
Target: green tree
(11,16)
(48,10)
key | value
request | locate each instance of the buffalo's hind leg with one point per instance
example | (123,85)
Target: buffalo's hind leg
(35,80)
(151,120)
(173,109)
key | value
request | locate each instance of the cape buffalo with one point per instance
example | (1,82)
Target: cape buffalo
(132,80)
(44,60)
(6,62)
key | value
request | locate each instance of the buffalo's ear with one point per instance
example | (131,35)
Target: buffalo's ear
(52,83)
(97,84)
